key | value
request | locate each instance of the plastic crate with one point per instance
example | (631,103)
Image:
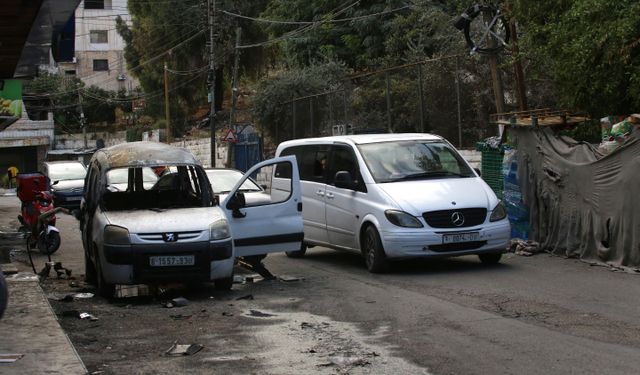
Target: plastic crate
(491,167)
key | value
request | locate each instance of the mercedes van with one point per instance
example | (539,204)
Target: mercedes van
(394,196)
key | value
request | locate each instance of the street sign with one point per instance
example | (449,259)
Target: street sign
(230,137)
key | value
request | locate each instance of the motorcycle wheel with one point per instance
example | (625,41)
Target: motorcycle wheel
(49,243)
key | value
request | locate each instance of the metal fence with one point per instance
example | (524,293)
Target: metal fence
(448,96)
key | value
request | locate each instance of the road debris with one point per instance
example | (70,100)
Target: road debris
(342,361)
(248,296)
(259,314)
(180,317)
(85,316)
(177,302)
(132,290)
(524,248)
(83,295)
(179,349)
(10,358)
(288,279)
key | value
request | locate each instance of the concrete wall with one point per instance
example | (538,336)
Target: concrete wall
(201,149)
(76,141)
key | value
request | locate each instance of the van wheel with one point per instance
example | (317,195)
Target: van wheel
(89,270)
(490,258)
(374,256)
(298,253)
(104,289)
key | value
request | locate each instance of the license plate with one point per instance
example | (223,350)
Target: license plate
(172,260)
(460,237)
(74,198)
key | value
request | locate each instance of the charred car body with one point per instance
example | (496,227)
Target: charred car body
(167,226)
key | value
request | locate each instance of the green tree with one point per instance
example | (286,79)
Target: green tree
(59,94)
(589,49)
(177,32)
(271,105)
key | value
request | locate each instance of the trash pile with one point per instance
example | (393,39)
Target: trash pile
(615,130)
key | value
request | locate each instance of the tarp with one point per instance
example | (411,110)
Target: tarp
(583,203)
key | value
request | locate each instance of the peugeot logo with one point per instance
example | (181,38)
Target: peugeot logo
(170,237)
(457,219)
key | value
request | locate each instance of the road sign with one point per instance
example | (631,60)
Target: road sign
(230,137)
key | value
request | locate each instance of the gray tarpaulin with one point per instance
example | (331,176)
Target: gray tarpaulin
(583,204)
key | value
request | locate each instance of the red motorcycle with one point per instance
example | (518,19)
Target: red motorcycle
(38,214)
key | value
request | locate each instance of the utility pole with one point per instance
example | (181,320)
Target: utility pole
(82,119)
(212,78)
(234,97)
(498,91)
(517,66)
(167,113)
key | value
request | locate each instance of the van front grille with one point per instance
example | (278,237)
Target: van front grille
(460,218)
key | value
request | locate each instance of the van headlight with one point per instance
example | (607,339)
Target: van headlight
(219,230)
(115,235)
(402,219)
(499,212)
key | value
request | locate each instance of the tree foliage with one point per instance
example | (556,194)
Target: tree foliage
(176,32)
(590,49)
(272,103)
(61,93)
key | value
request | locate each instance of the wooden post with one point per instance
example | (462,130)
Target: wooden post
(167,113)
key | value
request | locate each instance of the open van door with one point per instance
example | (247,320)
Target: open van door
(270,220)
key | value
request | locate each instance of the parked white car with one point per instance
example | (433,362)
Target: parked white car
(394,196)
(169,228)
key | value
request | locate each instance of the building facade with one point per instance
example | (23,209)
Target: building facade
(99,49)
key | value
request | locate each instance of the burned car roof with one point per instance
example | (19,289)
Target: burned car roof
(141,154)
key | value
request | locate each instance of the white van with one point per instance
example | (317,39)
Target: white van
(394,196)
(148,215)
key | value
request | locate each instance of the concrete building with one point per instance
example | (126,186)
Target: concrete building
(99,49)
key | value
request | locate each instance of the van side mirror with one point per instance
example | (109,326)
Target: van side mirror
(344,180)
(236,202)
(478,171)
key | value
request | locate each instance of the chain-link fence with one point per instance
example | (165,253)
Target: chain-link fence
(449,96)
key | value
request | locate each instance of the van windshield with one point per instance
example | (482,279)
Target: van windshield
(156,188)
(413,160)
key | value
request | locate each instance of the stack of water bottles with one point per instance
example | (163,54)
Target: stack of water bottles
(517,211)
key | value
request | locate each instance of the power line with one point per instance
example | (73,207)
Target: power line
(334,13)
(264,20)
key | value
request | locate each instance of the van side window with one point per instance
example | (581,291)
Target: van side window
(343,159)
(312,162)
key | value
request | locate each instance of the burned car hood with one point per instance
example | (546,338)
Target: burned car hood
(165,220)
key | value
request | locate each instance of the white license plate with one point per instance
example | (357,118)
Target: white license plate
(172,260)
(460,237)
(74,198)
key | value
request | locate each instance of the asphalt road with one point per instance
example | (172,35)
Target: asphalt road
(528,315)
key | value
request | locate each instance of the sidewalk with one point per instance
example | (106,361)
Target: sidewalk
(29,326)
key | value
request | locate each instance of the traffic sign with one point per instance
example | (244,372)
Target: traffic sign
(230,137)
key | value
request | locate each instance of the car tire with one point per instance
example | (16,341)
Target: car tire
(374,256)
(223,284)
(89,270)
(490,258)
(297,253)
(104,289)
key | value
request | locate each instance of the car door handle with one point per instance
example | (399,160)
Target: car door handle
(320,193)
(330,195)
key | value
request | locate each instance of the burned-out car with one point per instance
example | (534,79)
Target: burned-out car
(149,215)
